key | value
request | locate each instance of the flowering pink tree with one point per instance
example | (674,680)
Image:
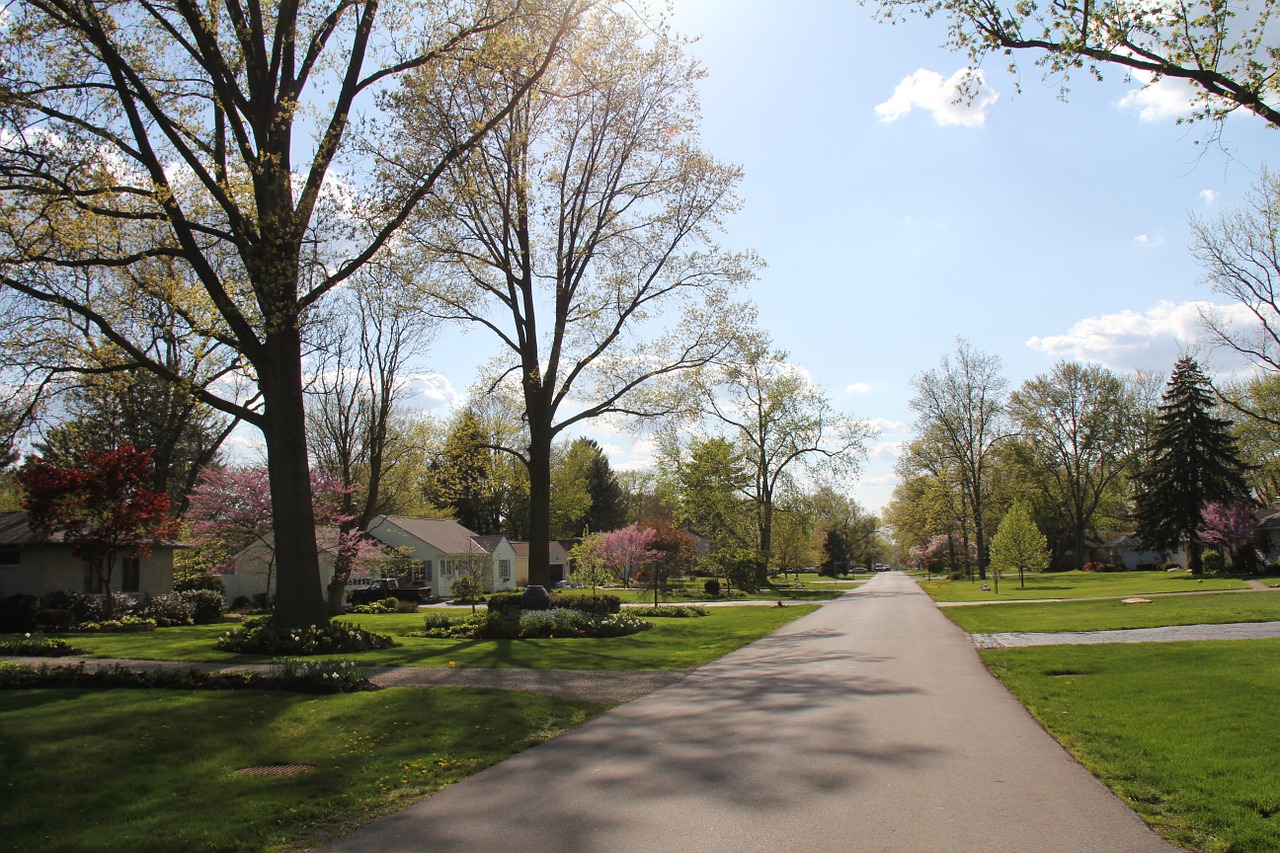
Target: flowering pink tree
(628,550)
(1229,528)
(231,509)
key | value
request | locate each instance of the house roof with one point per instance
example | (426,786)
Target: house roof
(488,543)
(443,534)
(15,529)
(556,550)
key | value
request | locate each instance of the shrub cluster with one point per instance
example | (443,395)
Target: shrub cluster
(527,624)
(600,604)
(323,677)
(65,610)
(260,637)
(677,611)
(386,605)
(37,646)
(191,581)
(504,602)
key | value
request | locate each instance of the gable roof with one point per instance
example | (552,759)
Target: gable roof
(15,529)
(443,534)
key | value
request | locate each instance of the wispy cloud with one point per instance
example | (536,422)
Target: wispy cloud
(962,99)
(1210,197)
(1164,99)
(857,388)
(1149,241)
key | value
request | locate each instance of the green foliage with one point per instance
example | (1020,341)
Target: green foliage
(126,624)
(466,589)
(194,580)
(1212,562)
(712,587)
(168,609)
(328,676)
(386,605)
(599,604)
(1194,461)
(504,602)
(1018,543)
(207,606)
(261,637)
(563,622)
(672,611)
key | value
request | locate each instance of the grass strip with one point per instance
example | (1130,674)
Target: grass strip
(671,644)
(1184,732)
(1059,585)
(155,770)
(1217,609)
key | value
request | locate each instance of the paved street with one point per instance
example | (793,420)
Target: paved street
(869,725)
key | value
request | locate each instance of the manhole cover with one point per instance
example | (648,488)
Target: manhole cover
(276,770)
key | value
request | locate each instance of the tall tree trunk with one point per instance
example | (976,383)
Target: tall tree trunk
(299,601)
(539,509)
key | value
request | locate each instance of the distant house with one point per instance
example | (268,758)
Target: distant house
(435,551)
(558,556)
(1125,550)
(253,569)
(33,565)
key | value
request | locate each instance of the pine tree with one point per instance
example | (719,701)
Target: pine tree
(1194,461)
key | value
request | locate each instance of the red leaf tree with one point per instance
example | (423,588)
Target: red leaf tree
(103,507)
(1228,527)
(627,550)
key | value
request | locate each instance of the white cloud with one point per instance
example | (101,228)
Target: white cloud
(1128,340)
(1210,196)
(1165,99)
(946,99)
(431,391)
(857,388)
(1149,241)
(886,450)
(883,426)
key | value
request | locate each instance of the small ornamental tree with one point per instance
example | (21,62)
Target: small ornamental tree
(627,550)
(103,507)
(1229,527)
(590,567)
(1018,544)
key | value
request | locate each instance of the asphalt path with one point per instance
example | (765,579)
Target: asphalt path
(869,725)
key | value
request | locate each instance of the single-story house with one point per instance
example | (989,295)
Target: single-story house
(30,564)
(253,568)
(434,551)
(1126,550)
(558,555)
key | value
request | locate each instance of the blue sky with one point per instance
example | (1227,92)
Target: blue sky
(893,221)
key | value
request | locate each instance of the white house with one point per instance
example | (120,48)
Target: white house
(253,569)
(558,555)
(437,550)
(33,565)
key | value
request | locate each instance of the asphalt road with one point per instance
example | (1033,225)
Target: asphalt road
(869,725)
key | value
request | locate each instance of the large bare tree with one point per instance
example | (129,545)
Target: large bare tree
(578,234)
(228,139)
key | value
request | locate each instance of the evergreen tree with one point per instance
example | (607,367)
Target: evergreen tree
(608,505)
(1194,461)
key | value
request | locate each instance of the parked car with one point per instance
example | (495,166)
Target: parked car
(387,588)
(568,585)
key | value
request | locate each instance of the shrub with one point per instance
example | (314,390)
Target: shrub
(442,626)
(403,606)
(1212,562)
(326,676)
(260,637)
(18,613)
(563,622)
(82,606)
(341,678)
(466,590)
(197,580)
(600,604)
(207,606)
(1094,567)
(677,611)
(386,605)
(126,624)
(436,619)
(712,587)
(505,602)
(499,625)
(55,619)
(37,646)
(168,610)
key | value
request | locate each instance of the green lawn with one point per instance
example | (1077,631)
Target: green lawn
(1077,585)
(671,644)
(1185,732)
(154,770)
(1216,609)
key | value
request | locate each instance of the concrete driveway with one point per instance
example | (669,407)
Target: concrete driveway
(869,725)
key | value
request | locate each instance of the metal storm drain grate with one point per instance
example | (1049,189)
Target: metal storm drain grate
(276,770)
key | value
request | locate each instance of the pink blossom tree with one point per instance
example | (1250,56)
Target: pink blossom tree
(1229,528)
(230,510)
(627,550)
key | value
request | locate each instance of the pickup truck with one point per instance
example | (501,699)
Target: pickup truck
(386,588)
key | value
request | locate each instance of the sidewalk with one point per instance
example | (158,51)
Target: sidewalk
(867,725)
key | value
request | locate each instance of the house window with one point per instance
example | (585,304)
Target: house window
(504,570)
(426,571)
(92,583)
(446,569)
(130,575)
(10,558)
